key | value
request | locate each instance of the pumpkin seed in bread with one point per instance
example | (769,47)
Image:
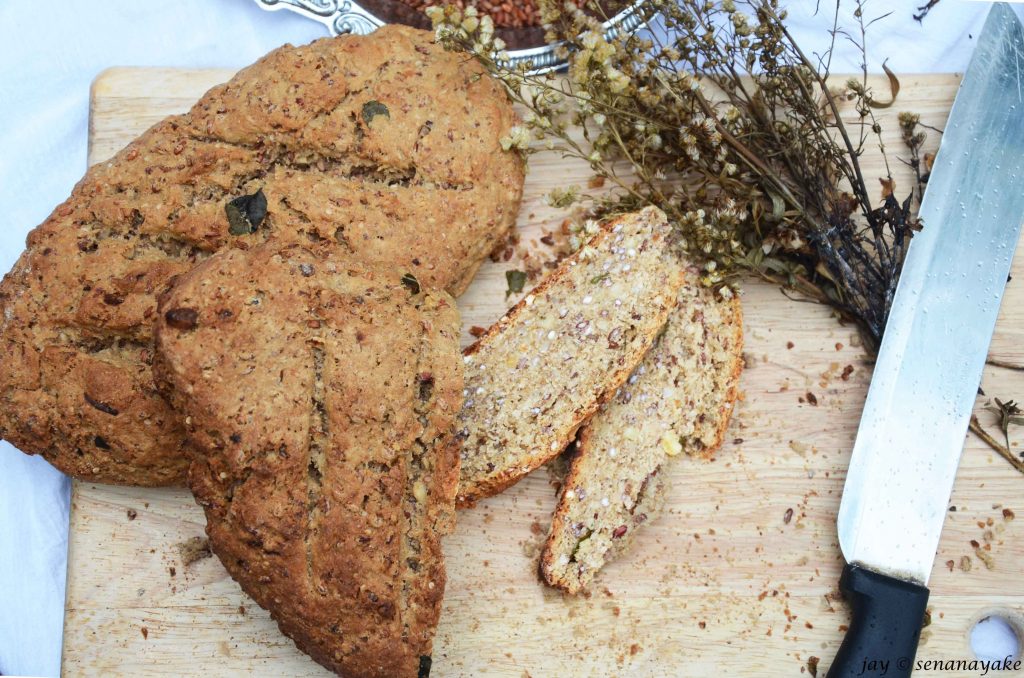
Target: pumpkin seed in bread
(544,368)
(320,398)
(384,147)
(678,401)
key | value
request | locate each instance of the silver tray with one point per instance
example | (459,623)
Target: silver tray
(346,16)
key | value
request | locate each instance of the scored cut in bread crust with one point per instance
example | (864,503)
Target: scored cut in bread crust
(320,399)
(678,401)
(546,366)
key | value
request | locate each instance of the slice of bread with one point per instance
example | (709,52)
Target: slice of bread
(678,401)
(546,366)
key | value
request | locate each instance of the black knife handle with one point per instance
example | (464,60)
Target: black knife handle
(886,625)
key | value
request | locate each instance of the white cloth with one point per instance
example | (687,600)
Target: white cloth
(50,52)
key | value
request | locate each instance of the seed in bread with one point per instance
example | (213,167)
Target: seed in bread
(383,147)
(544,368)
(677,402)
(321,400)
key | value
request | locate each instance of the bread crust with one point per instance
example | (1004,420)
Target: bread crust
(649,494)
(472,488)
(735,369)
(384,147)
(320,398)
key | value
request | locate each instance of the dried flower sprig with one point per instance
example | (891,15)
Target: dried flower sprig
(718,118)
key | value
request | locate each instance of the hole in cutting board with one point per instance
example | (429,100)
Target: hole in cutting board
(996,636)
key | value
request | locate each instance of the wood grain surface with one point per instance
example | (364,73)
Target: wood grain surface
(721,584)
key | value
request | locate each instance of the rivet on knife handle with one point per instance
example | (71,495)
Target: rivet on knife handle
(886,625)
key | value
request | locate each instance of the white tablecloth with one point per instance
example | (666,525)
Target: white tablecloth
(51,51)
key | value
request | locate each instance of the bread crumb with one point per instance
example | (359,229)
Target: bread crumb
(193,549)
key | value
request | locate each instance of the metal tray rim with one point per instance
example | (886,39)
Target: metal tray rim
(348,17)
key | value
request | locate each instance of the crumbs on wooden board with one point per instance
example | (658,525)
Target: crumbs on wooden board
(194,549)
(982,549)
(537,255)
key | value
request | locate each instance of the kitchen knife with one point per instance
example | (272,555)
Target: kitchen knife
(929,364)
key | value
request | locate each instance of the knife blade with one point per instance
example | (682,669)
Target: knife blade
(929,364)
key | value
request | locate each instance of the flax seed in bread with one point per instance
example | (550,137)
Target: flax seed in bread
(384,147)
(320,399)
(678,401)
(544,368)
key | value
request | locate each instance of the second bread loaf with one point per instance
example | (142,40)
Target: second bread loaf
(320,398)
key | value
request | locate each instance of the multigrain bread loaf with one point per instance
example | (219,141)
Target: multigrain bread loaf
(384,147)
(320,399)
(678,401)
(545,367)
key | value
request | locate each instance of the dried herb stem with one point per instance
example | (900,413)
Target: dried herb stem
(1004,364)
(1001,449)
(730,128)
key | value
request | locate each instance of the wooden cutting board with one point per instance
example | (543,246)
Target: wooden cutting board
(722,583)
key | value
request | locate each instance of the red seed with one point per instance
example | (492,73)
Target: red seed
(182,318)
(505,13)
